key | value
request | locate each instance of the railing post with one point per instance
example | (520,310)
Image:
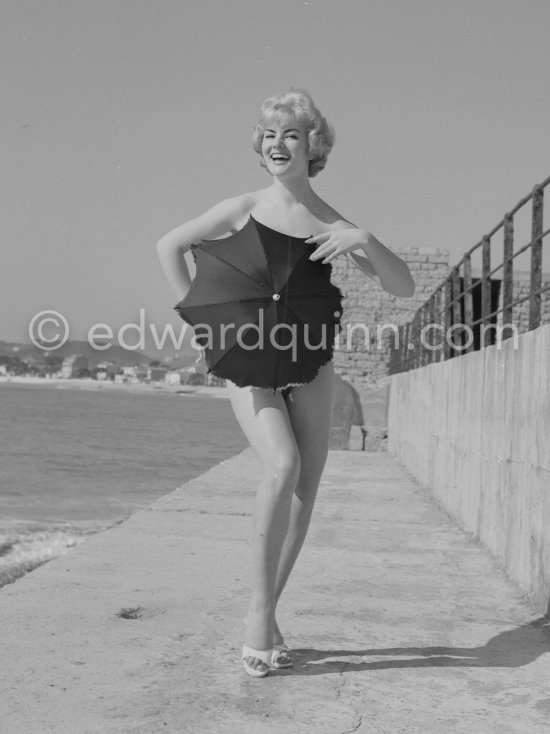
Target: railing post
(441,321)
(401,348)
(405,348)
(423,322)
(419,346)
(447,320)
(536,258)
(508,271)
(457,318)
(412,339)
(416,340)
(398,349)
(430,333)
(485,289)
(468,299)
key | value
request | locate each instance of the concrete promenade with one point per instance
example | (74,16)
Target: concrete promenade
(399,621)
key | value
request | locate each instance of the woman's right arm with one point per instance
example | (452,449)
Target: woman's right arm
(173,248)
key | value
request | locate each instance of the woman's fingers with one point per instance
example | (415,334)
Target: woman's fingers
(319,252)
(325,253)
(332,244)
(323,237)
(324,249)
(322,240)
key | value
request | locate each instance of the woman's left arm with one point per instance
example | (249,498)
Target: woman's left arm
(395,276)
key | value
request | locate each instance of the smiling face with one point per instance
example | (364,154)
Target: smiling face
(285,147)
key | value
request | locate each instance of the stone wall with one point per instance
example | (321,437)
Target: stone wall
(474,430)
(362,357)
(363,347)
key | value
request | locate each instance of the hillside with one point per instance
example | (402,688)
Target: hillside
(115,353)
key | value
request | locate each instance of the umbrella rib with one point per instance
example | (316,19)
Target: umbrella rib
(234,267)
(232,300)
(313,295)
(293,312)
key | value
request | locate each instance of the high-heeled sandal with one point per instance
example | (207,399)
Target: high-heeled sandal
(266,656)
(280,652)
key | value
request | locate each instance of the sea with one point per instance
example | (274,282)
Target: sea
(75,460)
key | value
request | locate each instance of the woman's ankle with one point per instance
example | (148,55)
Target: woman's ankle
(261,606)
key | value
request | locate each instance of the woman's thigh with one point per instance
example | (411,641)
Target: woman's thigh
(310,413)
(293,430)
(264,420)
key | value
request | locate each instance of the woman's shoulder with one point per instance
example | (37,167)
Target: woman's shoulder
(241,205)
(331,219)
(226,216)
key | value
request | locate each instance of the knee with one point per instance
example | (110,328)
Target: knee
(284,469)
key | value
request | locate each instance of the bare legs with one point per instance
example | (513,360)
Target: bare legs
(290,439)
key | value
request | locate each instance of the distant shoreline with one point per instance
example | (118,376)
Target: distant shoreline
(89,384)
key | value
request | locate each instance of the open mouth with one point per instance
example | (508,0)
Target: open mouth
(279,158)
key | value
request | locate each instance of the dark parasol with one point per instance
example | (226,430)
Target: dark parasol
(264,313)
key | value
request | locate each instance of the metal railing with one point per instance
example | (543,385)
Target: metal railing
(450,312)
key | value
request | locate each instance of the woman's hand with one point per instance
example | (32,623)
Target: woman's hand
(337,242)
(393,273)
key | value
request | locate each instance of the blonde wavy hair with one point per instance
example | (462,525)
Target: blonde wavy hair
(298,104)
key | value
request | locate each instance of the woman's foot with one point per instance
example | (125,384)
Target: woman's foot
(259,636)
(281,657)
(254,670)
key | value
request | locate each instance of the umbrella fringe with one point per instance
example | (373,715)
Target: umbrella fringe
(295,384)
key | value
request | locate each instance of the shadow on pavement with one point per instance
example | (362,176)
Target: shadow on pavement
(510,649)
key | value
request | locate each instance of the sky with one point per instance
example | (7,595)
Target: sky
(121,119)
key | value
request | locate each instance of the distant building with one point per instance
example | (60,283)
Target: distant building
(214,381)
(196,378)
(73,366)
(129,375)
(106,371)
(173,377)
(142,372)
(156,374)
(193,375)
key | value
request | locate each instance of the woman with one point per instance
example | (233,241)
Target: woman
(287,429)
